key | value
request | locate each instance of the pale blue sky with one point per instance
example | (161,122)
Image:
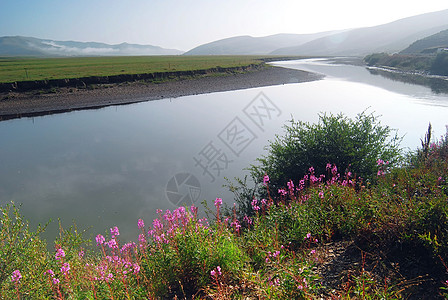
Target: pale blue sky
(184,24)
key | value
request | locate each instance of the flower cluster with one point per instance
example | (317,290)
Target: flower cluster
(114,232)
(16,276)
(272,255)
(59,254)
(216,272)
(54,280)
(65,268)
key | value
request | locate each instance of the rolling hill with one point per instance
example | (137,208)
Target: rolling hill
(29,46)
(248,45)
(428,44)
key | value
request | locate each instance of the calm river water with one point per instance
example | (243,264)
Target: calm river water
(112,166)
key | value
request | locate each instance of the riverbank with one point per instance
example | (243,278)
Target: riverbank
(36,103)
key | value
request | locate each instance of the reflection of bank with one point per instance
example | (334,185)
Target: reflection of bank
(437,84)
(183,189)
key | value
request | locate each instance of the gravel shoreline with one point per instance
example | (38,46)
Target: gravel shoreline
(17,105)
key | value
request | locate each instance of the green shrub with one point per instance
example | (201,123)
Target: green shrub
(351,144)
(440,64)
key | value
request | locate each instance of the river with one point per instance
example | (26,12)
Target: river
(112,166)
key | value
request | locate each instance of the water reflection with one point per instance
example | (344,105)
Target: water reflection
(339,69)
(437,85)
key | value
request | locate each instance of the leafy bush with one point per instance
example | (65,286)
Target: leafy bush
(353,145)
(440,64)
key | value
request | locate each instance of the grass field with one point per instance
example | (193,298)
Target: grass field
(23,69)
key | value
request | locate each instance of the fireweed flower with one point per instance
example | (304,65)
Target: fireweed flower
(216,272)
(112,244)
(265,180)
(218,202)
(290,185)
(140,224)
(282,192)
(100,239)
(114,232)
(59,254)
(136,268)
(65,269)
(16,276)
(254,205)
(81,254)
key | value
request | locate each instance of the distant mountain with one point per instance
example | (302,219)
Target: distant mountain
(428,44)
(390,37)
(248,45)
(28,46)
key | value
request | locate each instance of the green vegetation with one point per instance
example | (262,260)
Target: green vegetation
(440,65)
(24,69)
(432,64)
(351,145)
(325,235)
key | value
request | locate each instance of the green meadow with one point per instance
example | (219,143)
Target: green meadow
(23,69)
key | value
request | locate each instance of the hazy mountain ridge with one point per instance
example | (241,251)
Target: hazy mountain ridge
(248,45)
(428,44)
(29,46)
(390,37)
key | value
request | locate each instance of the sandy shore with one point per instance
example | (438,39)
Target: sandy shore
(16,105)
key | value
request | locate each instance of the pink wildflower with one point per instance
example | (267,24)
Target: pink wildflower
(282,192)
(59,254)
(65,268)
(100,239)
(265,180)
(140,224)
(254,205)
(16,276)
(136,268)
(113,244)
(218,202)
(114,232)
